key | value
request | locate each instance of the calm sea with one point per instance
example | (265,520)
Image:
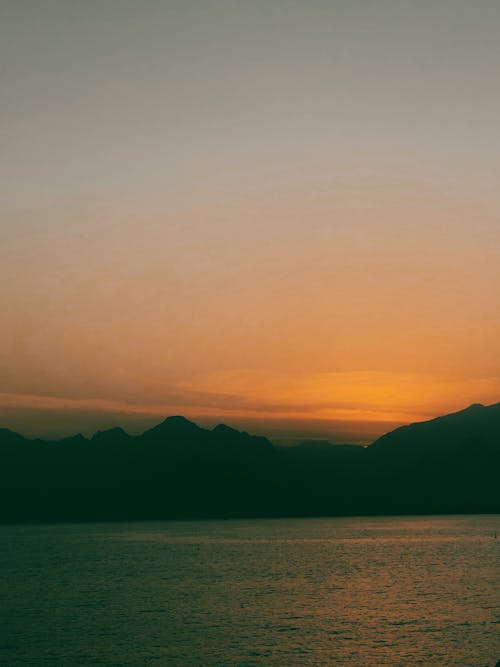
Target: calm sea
(363,592)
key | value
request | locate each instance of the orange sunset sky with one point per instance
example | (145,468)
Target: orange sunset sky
(280,214)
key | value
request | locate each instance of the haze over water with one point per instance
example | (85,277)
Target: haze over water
(372,592)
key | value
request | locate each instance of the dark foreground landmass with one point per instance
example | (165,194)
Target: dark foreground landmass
(178,470)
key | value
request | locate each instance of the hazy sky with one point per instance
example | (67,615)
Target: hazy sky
(282,214)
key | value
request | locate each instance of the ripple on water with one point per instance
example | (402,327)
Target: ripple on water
(394,591)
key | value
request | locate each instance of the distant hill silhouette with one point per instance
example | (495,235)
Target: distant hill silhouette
(178,470)
(451,462)
(444,434)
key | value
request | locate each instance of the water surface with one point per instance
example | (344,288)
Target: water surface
(358,591)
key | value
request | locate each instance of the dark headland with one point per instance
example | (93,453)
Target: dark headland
(178,470)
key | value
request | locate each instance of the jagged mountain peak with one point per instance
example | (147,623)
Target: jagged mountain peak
(114,433)
(175,425)
(222,429)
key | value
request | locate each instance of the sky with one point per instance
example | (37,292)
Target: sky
(279,214)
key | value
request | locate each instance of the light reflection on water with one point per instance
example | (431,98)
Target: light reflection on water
(357,591)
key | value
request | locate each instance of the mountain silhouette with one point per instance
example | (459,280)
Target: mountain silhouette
(179,470)
(450,462)
(443,434)
(174,427)
(116,434)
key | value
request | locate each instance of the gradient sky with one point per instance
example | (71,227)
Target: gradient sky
(281,214)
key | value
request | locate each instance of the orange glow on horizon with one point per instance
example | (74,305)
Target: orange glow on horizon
(361,405)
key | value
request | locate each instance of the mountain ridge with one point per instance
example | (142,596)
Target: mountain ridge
(177,469)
